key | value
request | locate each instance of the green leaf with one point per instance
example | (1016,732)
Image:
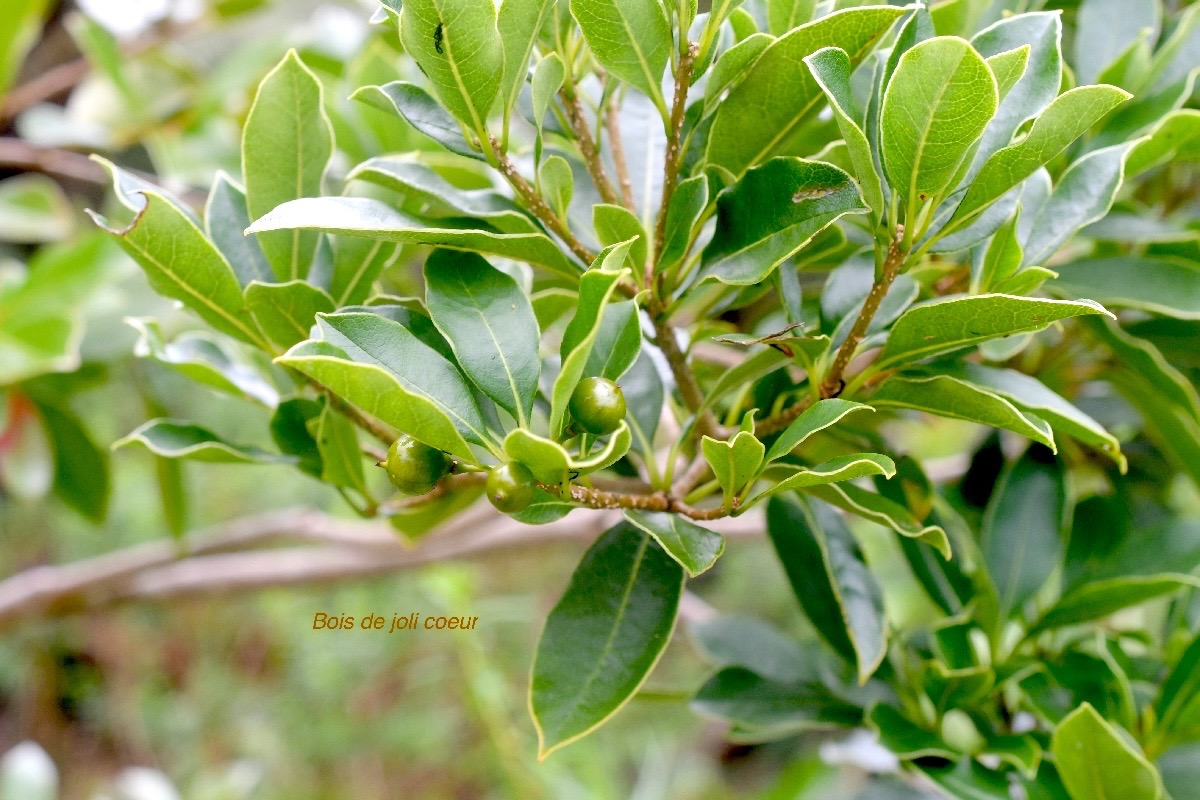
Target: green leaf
(617,224)
(178,259)
(414,105)
(1097,763)
(286,145)
(1145,360)
(731,67)
(226,218)
(548,78)
(1002,259)
(618,341)
(203,359)
(695,548)
(736,641)
(834,586)
(1176,134)
(337,442)
(762,708)
(785,15)
(489,323)
(935,107)
(882,511)
(735,462)
(34,210)
(595,289)
(1032,396)
(557,184)
(604,636)
(1022,538)
(550,462)
(18,35)
(687,206)
(1099,599)
(286,312)
(761,114)
(458,47)
(81,469)
(952,323)
(382,368)
(948,396)
(357,262)
(1167,286)
(630,38)
(905,738)
(518,23)
(361,216)
(821,415)
(440,198)
(771,213)
(290,431)
(831,68)
(1083,194)
(1104,28)
(183,440)
(1066,119)
(1180,692)
(1009,67)
(840,468)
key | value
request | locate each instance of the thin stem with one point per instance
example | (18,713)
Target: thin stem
(368,423)
(598,498)
(683,80)
(612,124)
(833,384)
(538,206)
(685,379)
(587,145)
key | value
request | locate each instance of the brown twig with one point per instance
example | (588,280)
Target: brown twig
(380,431)
(538,206)
(659,501)
(832,384)
(683,80)
(612,124)
(18,154)
(685,379)
(587,145)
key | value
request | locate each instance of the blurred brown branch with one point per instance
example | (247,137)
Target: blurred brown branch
(238,556)
(18,154)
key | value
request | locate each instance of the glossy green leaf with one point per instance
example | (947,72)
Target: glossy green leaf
(735,462)
(785,15)
(761,114)
(203,359)
(731,67)
(757,646)
(290,431)
(694,547)
(831,68)
(357,262)
(952,323)
(935,107)
(617,224)
(489,323)
(948,396)
(286,312)
(34,210)
(604,636)
(1034,397)
(1064,121)
(379,366)
(1166,286)
(831,581)
(840,468)
(415,106)
(821,415)
(518,23)
(178,259)
(882,511)
(762,708)
(341,455)
(771,213)
(1176,134)
(630,38)
(1083,194)
(1106,27)
(1099,599)
(1180,695)
(1147,362)
(440,198)
(361,216)
(687,205)
(286,144)
(1009,67)
(1097,763)
(226,218)
(547,80)
(618,341)
(81,470)
(183,440)
(596,288)
(459,48)
(550,462)
(905,738)
(1022,540)
(1002,259)
(557,184)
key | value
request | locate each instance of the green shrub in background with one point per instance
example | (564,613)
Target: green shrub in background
(787,235)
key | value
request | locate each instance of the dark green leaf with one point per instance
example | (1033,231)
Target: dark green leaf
(286,312)
(173,439)
(695,548)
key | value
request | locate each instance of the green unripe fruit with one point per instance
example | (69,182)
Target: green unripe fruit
(414,467)
(510,487)
(598,405)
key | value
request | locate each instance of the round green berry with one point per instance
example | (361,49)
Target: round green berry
(414,467)
(598,405)
(510,487)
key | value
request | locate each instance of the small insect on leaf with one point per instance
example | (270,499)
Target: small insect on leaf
(812,194)
(437,37)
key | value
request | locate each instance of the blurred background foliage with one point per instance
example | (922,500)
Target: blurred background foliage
(231,698)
